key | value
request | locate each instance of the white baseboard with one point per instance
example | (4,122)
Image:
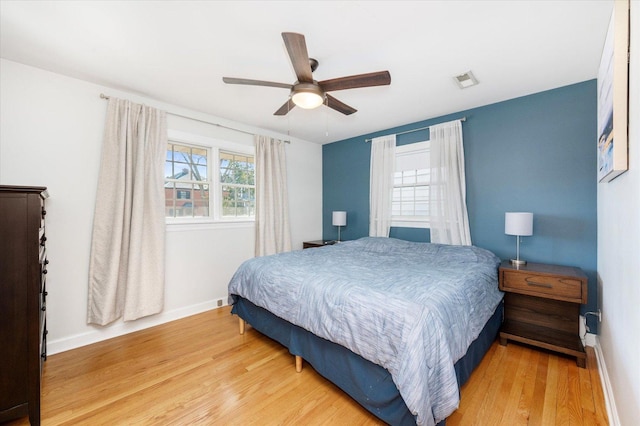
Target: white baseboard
(609,400)
(99,333)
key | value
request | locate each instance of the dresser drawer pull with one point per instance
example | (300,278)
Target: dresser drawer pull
(537,284)
(44,308)
(44,271)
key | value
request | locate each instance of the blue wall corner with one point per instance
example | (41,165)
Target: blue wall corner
(536,153)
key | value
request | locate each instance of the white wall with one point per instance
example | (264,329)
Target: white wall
(51,135)
(619,261)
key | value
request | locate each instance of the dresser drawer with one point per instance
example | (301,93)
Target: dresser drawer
(563,288)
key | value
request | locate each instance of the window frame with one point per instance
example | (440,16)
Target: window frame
(412,221)
(215,219)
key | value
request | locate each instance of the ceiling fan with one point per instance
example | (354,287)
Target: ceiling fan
(308,93)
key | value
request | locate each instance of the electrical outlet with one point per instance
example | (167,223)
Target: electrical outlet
(219,302)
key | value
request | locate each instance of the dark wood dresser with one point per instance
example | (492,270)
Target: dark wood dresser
(23,330)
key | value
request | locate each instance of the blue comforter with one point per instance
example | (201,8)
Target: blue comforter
(413,308)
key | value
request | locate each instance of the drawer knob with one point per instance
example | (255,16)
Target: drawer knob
(46,293)
(44,271)
(46,262)
(44,308)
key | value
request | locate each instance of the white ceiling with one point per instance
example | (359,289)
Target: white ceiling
(178,51)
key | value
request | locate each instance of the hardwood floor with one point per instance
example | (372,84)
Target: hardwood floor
(201,371)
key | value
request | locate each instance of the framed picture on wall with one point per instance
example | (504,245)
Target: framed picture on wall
(613,96)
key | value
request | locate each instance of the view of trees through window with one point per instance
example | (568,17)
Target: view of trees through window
(194,183)
(237,180)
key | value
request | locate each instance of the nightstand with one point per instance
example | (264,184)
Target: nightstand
(542,306)
(317,243)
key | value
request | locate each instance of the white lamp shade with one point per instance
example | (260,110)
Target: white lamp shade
(518,223)
(339,219)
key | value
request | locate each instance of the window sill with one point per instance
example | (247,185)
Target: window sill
(177,225)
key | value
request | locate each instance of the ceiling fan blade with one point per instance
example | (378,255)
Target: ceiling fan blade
(284,109)
(380,78)
(297,48)
(231,80)
(339,106)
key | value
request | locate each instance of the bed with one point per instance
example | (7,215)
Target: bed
(397,325)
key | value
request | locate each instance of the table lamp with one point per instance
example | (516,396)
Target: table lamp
(521,225)
(339,219)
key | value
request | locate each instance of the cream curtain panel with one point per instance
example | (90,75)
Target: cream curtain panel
(126,269)
(447,197)
(272,202)
(383,160)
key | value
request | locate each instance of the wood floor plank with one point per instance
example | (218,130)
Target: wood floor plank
(574,397)
(550,400)
(511,413)
(501,392)
(562,393)
(526,397)
(540,387)
(200,371)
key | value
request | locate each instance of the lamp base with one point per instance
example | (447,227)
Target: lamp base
(518,262)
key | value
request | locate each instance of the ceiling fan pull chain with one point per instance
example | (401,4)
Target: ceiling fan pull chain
(288,120)
(326,116)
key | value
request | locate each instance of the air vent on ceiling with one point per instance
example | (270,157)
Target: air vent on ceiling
(466,80)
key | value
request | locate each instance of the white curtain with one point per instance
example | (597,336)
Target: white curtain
(126,269)
(272,205)
(447,196)
(383,160)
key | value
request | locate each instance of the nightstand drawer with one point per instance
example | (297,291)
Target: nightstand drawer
(536,284)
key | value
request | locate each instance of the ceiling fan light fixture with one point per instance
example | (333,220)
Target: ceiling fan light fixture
(307,96)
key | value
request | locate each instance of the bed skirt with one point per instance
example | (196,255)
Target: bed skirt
(369,384)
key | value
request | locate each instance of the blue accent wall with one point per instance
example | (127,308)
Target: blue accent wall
(536,153)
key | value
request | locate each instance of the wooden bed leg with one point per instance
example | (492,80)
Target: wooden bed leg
(298,364)
(241,323)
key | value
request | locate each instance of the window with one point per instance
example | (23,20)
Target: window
(237,178)
(410,201)
(187,183)
(181,194)
(207,183)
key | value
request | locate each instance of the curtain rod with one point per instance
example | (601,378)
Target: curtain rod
(103,96)
(417,130)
